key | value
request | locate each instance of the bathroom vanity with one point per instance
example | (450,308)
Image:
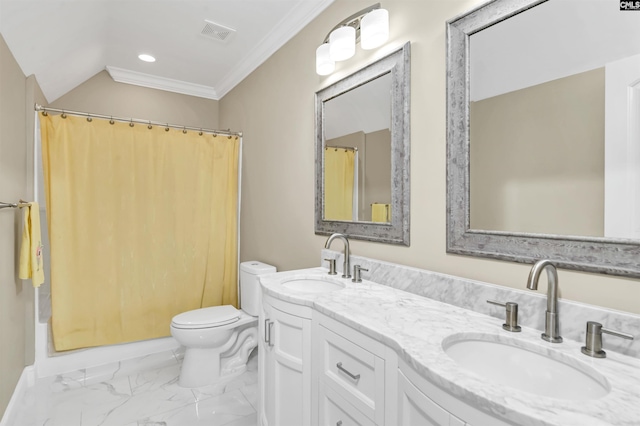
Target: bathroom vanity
(333,352)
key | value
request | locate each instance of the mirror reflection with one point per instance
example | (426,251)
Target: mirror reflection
(357,153)
(555,122)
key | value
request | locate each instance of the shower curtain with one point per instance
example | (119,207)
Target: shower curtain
(142,224)
(339,167)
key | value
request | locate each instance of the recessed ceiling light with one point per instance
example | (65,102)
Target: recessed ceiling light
(146,58)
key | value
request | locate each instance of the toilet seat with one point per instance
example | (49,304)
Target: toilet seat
(214,316)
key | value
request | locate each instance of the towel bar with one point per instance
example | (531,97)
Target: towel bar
(19,204)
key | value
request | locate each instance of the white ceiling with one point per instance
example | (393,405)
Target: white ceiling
(66,42)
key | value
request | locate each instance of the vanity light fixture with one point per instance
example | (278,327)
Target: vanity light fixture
(374,29)
(370,26)
(342,43)
(146,57)
(324,64)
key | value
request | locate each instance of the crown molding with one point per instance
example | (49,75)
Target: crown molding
(284,31)
(161,83)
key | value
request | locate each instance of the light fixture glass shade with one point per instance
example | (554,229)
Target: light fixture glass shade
(324,64)
(342,43)
(374,29)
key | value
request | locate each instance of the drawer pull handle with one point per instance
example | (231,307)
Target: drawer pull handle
(347,372)
(266,333)
(339,423)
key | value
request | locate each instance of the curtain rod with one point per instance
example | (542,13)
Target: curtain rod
(135,120)
(348,148)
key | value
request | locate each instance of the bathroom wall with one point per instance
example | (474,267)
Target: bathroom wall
(101,95)
(16,296)
(274,107)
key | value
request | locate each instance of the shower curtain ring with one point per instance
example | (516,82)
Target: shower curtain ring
(166,129)
(89,119)
(200,133)
(215,135)
(63,115)
(131,123)
(111,121)
(184,130)
(45,113)
(149,126)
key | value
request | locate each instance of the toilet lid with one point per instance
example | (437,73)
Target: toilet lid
(206,317)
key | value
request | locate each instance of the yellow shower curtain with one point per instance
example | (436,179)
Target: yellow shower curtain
(339,167)
(142,225)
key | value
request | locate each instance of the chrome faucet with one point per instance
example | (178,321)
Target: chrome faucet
(551,329)
(345,266)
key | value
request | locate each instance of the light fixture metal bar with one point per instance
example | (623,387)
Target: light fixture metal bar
(354,21)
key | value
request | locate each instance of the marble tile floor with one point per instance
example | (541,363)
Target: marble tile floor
(140,392)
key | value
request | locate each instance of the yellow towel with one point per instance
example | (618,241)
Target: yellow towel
(31,250)
(380,212)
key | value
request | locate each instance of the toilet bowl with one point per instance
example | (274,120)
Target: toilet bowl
(219,339)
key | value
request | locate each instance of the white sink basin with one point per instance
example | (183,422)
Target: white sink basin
(312,285)
(526,367)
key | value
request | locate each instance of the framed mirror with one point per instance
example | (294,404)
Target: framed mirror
(362,153)
(543,134)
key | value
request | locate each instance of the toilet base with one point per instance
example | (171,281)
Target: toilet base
(208,366)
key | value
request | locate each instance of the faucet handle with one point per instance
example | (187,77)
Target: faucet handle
(356,273)
(511,312)
(332,266)
(593,339)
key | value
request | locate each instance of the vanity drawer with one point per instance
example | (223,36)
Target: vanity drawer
(336,411)
(355,373)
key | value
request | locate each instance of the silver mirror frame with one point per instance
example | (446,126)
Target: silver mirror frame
(602,255)
(397,232)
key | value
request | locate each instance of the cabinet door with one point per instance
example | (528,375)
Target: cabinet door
(415,408)
(288,368)
(266,382)
(291,341)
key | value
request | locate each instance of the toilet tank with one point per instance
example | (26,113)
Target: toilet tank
(250,287)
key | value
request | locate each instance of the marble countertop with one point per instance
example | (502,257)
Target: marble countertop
(415,327)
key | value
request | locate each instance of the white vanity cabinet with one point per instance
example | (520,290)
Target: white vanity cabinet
(284,364)
(317,371)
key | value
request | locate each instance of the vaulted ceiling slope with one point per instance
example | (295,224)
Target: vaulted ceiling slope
(66,42)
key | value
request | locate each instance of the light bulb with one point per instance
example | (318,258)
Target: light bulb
(324,64)
(374,29)
(342,43)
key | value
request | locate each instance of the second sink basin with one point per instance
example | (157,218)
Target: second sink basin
(526,367)
(312,285)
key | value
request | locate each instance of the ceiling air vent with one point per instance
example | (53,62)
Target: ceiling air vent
(217,31)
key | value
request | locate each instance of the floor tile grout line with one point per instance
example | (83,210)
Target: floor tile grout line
(240,418)
(245,397)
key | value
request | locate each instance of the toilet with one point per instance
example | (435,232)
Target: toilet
(219,339)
